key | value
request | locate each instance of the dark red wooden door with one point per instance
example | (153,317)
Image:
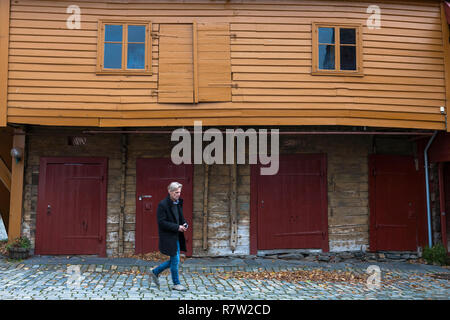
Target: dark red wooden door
(153,175)
(71,213)
(291,205)
(395,191)
(445,197)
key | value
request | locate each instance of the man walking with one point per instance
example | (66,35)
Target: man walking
(171,228)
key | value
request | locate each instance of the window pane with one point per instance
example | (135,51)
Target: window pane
(348,36)
(136,56)
(112,56)
(113,32)
(326,35)
(348,58)
(136,33)
(326,57)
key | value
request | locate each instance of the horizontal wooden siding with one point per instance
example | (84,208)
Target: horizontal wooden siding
(52,78)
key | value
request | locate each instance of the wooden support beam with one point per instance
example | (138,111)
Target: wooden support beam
(205,206)
(4,44)
(5,175)
(233,207)
(15,211)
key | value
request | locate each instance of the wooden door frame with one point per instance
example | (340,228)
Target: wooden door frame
(254,174)
(40,209)
(138,245)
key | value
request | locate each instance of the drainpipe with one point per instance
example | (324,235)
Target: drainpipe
(430,242)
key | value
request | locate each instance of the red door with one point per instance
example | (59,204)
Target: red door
(444,196)
(396,201)
(289,209)
(153,177)
(71,213)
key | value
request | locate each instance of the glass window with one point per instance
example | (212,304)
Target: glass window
(112,57)
(348,48)
(326,57)
(113,33)
(125,48)
(326,35)
(337,49)
(348,58)
(326,49)
(347,36)
(136,47)
(136,33)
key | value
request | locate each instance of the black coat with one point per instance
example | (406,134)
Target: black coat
(168,227)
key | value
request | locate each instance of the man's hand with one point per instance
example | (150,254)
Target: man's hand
(181,228)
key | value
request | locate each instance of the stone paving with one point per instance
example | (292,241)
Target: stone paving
(90,278)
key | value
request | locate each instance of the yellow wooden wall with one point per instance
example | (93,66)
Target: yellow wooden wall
(52,78)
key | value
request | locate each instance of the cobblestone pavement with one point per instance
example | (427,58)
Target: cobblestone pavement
(78,278)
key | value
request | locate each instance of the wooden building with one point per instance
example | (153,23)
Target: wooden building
(90,93)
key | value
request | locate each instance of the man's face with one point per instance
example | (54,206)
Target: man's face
(175,195)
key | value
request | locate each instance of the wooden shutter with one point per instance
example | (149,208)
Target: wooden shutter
(176,80)
(194,63)
(214,66)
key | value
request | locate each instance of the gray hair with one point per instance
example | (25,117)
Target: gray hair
(174,186)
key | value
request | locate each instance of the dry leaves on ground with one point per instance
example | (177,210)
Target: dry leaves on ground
(299,275)
(317,275)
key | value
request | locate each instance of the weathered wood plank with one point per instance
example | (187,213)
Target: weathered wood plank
(268,46)
(176,82)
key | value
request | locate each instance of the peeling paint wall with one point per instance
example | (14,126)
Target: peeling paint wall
(219,228)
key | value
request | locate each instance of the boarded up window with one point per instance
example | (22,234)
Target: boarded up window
(214,68)
(176,68)
(194,63)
